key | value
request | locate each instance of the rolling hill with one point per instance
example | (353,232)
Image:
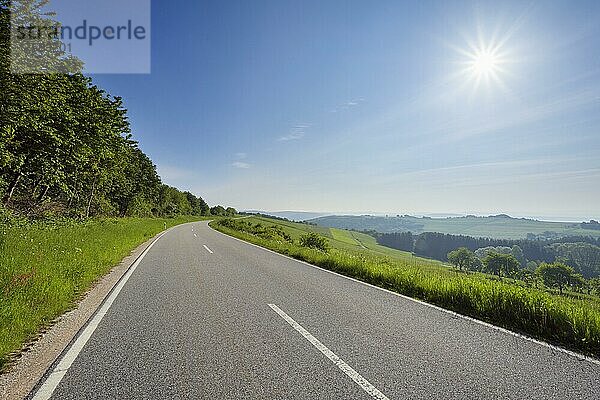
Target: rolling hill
(497,227)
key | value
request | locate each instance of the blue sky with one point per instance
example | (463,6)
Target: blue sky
(361,106)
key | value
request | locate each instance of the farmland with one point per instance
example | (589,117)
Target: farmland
(496,227)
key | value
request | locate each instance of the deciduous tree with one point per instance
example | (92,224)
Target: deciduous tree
(556,275)
(462,258)
(501,264)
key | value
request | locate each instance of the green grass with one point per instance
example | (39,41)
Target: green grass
(359,242)
(46,268)
(502,228)
(343,240)
(344,236)
(568,321)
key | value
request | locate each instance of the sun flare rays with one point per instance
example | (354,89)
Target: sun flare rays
(484,64)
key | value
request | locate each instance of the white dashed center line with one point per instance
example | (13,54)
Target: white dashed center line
(348,370)
(207,249)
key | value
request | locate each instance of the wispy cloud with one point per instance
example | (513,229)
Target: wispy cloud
(241,165)
(347,105)
(297,132)
(291,136)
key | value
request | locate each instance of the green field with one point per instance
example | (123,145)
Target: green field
(496,227)
(570,320)
(341,239)
(45,268)
(344,236)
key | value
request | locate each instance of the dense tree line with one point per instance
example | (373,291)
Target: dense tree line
(583,257)
(399,240)
(66,147)
(581,253)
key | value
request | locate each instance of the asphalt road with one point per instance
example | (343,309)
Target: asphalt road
(233,321)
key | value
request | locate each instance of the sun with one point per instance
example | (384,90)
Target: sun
(485,63)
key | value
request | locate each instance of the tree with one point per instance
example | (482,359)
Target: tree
(204,208)
(397,240)
(476,264)
(173,202)
(517,253)
(528,276)
(218,211)
(483,252)
(556,275)
(501,264)
(199,206)
(583,257)
(65,144)
(532,266)
(462,258)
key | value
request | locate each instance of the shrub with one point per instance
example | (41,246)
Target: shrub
(272,232)
(314,241)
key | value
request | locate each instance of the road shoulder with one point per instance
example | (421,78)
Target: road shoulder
(38,356)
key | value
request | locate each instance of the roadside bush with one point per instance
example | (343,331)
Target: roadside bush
(272,232)
(314,241)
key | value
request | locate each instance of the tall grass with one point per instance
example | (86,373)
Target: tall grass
(45,268)
(561,320)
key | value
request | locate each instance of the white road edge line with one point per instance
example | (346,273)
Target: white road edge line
(348,370)
(207,249)
(579,356)
(53,380)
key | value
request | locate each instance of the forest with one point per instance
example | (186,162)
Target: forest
(582,253)
(67,150)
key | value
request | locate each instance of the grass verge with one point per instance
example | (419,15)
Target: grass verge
(45,268)
(572,323)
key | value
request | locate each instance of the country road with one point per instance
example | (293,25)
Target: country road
(206,316)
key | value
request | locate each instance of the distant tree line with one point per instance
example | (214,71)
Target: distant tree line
(581,253)
(591,225)
(262,215)
(66,146)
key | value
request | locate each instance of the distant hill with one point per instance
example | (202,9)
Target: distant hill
(498,227)
(291,215)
